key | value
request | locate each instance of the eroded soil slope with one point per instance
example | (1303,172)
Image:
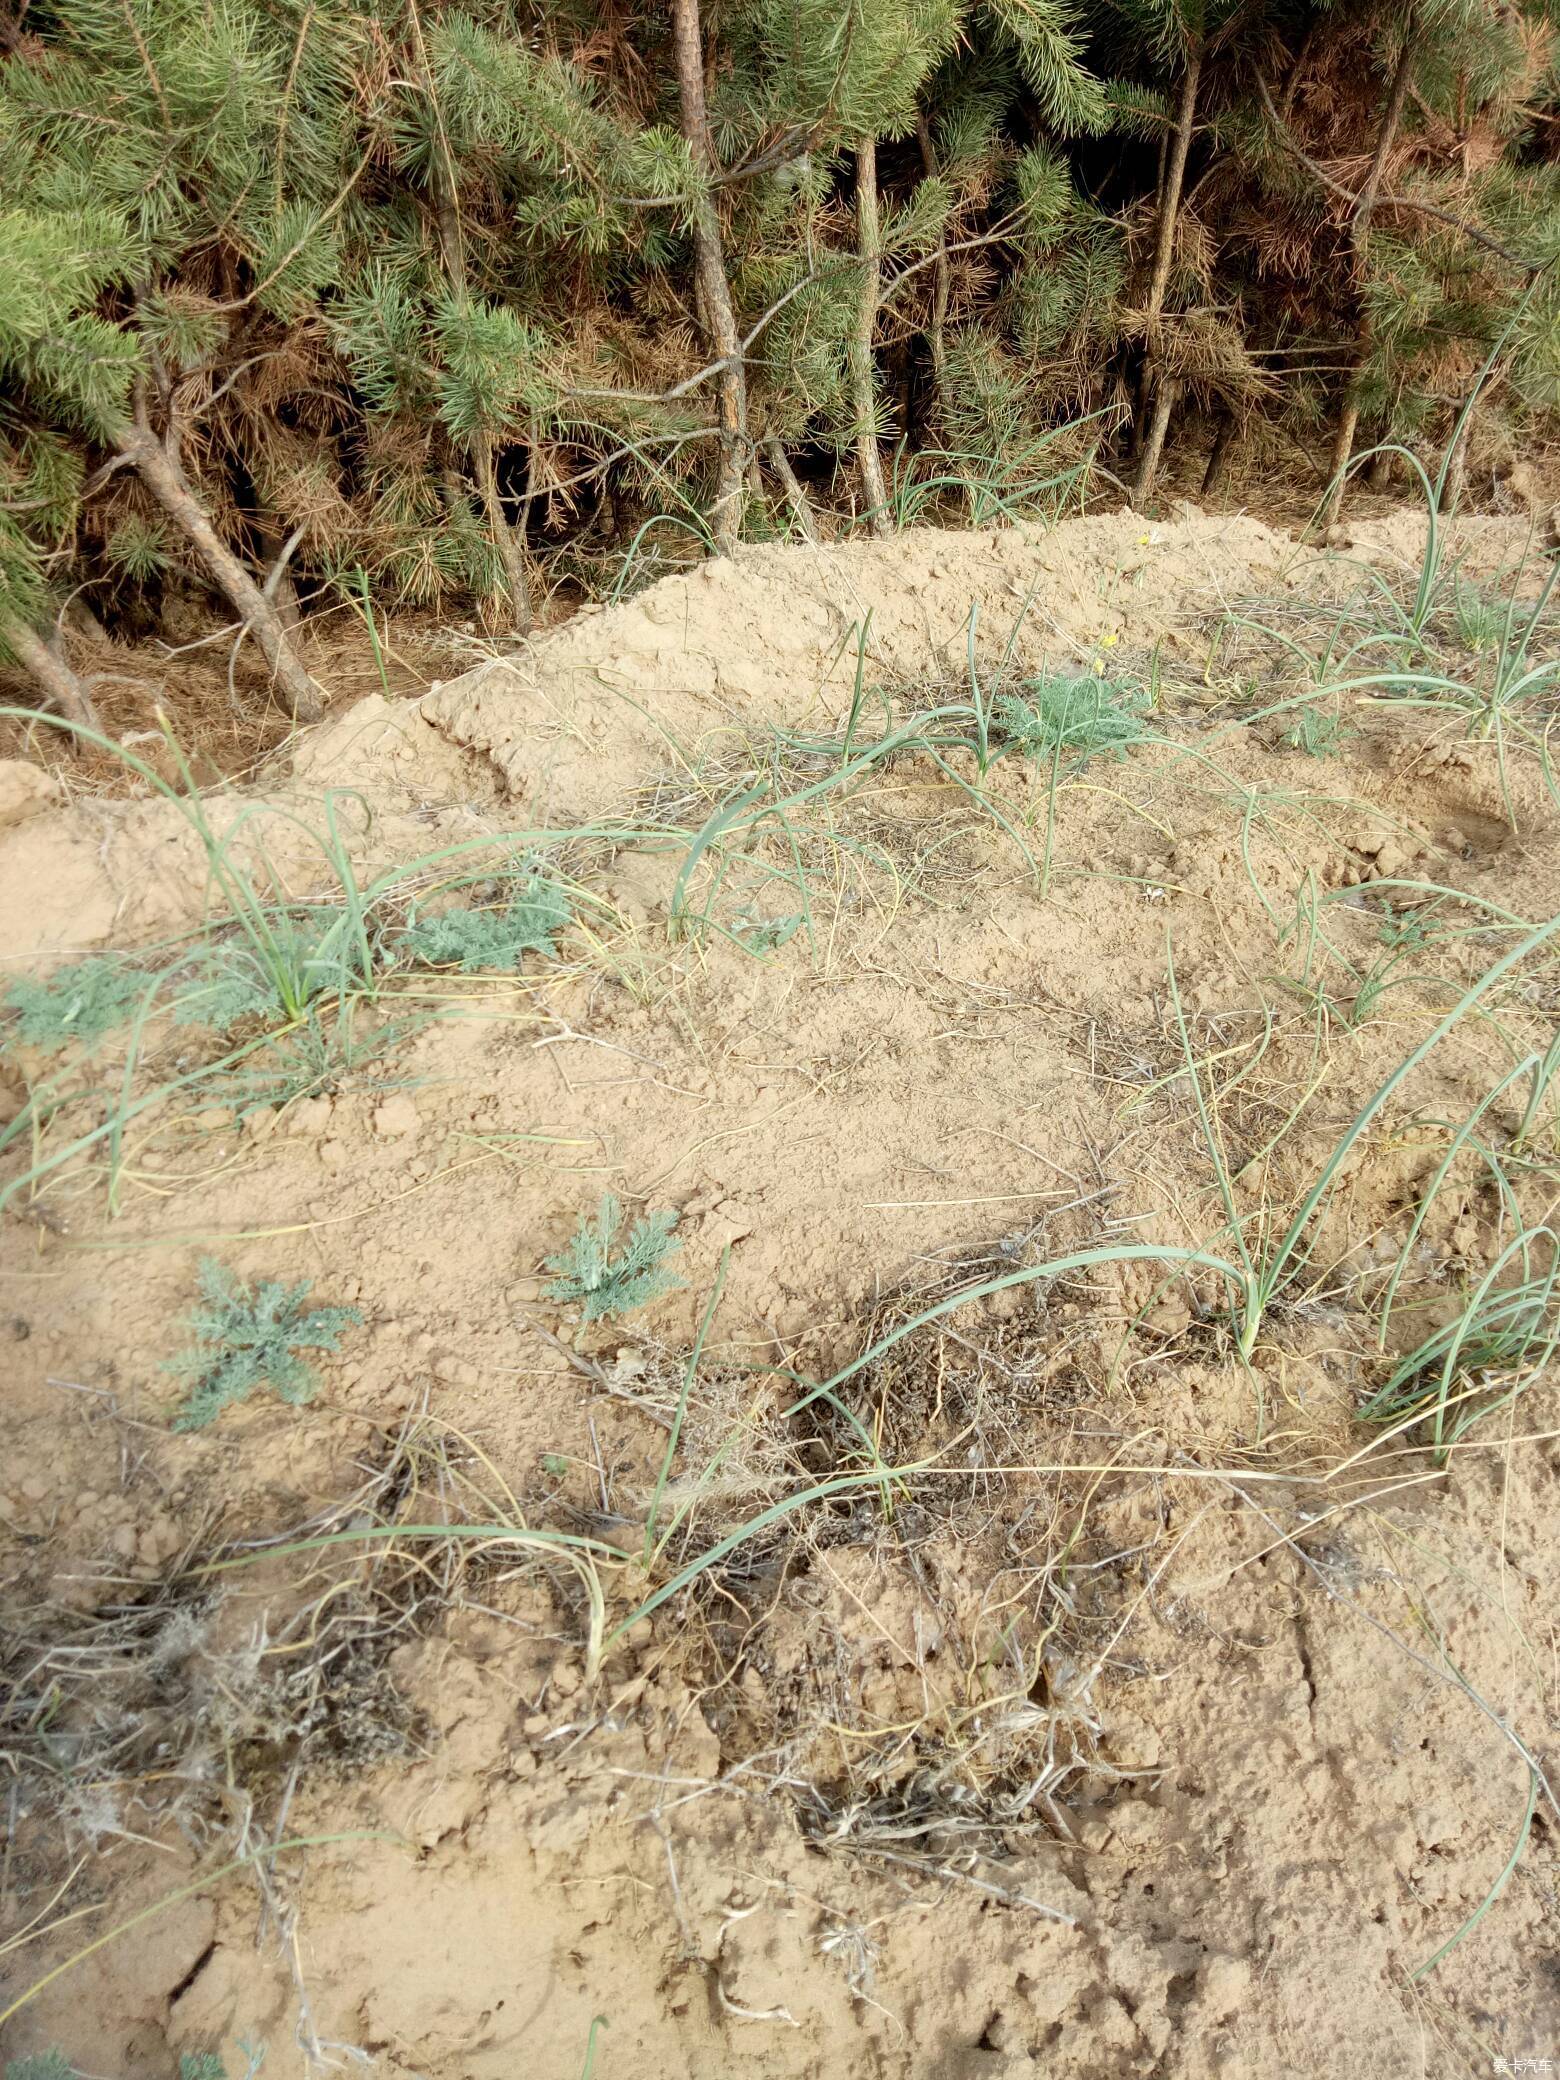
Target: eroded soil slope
(1069,1689)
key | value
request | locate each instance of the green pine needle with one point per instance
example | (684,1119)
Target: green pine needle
(249,1336)
(605,1285)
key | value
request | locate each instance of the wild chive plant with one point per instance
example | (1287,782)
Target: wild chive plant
(227,983)
(251,1336)
(1501,1338)
(1264,1262)
(604,1284)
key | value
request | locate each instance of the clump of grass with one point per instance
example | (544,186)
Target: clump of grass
(250,1336)
(1503,1337)
(603,1284)
(1087,717)
(84,1002)
(230,983)
(478,940)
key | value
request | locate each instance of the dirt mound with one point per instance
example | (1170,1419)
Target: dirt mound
(1074,1685)
(775,635)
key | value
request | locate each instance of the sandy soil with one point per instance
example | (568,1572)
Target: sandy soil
(1143,1726)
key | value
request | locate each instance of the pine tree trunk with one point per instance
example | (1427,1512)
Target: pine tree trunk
(1175,180)
(1219,456)
(1455,477)
(1359,239)
(942,276)
(164,477)
(1338,463)
(873,488)
(452,252)
(791,484)
(1154,441)
(1383,468)
(714,288)
(1155,390)
(511,554)
(62,687)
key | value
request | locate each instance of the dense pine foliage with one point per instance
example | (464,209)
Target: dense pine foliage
(301,295)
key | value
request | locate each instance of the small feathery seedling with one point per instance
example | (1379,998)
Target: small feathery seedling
(1318,732)
(493,940)
(41,2065)
(1077,716)
(767,934)
(250,1336)
(83,1002)
(603,1284)
(54,2065)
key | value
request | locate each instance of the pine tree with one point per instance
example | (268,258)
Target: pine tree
(1037,266)
(541,196)
(378,288)
(714,289)
(172,174)
(1413,215)
(1181,42)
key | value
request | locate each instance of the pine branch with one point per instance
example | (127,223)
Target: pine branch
(1383,200)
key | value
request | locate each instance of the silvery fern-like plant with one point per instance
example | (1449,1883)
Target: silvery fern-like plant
(605,1284)
(251,1336)
(474,940)
(82,1002)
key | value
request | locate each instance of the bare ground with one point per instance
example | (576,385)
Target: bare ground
(1159,1718)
